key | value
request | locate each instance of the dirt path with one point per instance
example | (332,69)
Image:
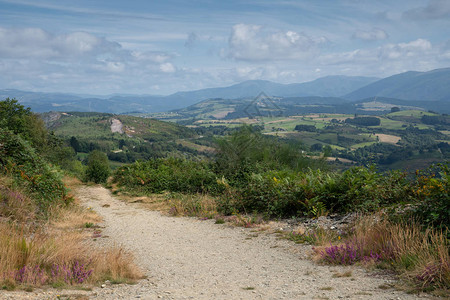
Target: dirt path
(186,258)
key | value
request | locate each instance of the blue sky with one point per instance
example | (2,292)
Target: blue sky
(160,47)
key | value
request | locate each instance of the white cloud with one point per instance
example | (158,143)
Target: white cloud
(436,9)
(371,35)
(419,47)
(37,43)
(34,59)
(255,43)
(386,60)
(167,68)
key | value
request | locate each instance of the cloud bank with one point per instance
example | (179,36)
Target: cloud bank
(256,43)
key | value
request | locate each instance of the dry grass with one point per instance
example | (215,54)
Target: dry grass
(387,138)
(419,256)
(73,217)
(71,182)
(18,249)
(324,236)
(410,248)
(31,248)
(247,221)
(199,205)
(15,206)
(115,264)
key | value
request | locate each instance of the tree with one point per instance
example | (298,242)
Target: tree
(97,167)
(327,151)
(310,128)
(20,120)
(316,147)
(364,121)
(395,109)
(75,144)
(13,115)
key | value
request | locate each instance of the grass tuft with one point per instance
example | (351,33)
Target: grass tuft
(419,256)
(36,252)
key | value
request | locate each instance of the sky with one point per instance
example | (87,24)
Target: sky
(161,47)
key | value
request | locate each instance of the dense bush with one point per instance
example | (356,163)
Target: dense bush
(19,159)
(21,121)
(247,151)
(97,167)
(365,189)
(274,193)
(433,120)
(364,121)
(310,128)
(170,174)
(432,192)
(315,192)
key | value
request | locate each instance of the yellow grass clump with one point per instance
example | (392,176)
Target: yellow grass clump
(59,251)
(418,255)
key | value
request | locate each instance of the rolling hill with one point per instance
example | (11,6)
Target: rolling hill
(430,86)
(330,86)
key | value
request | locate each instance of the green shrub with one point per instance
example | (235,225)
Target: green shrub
(97,167)
(366,190)
(169,174)
(314,192)
(248,151)
(433,200)
(273,193)
(19,159)
(21,121)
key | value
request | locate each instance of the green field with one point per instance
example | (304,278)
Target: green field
(410,113)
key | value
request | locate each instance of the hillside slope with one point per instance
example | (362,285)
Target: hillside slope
(93,125)
(432,86)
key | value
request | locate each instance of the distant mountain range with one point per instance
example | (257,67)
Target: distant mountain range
(421,86)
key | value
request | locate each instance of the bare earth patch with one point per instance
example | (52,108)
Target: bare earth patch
(222,114)
(116,126)
(387,138)
(187,258)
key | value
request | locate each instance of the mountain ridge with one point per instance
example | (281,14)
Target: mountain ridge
(123,103)
(433,85)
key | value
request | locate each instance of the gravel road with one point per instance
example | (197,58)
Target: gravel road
(187,258)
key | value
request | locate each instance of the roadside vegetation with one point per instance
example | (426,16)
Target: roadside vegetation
(44,239)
